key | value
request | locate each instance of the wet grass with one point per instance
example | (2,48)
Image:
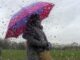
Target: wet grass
(56,54)
(13,55)
(66,54)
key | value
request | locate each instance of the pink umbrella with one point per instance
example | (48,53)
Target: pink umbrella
(18,22)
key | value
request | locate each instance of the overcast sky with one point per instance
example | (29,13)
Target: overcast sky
(62,25)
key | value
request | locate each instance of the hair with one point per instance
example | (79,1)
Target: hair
(34,20)
(34,17)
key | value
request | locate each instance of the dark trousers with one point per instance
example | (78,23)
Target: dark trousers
(32,54)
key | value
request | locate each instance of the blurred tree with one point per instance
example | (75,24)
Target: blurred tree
(21,46)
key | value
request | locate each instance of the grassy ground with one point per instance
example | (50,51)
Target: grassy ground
(56,54)
(13,55)
(66,54)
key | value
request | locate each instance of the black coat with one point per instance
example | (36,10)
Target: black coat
(35,36)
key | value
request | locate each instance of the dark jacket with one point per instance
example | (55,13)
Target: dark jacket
(34,33)
(35,36)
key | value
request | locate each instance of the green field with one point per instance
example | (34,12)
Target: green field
(13,55)
(56,54)
(66,54)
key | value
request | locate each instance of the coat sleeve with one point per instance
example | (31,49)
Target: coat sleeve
(34,42)
(49,45)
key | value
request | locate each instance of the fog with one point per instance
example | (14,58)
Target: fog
(62,25)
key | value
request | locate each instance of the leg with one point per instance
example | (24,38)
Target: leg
(32,54)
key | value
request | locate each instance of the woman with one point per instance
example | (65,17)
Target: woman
(36,39)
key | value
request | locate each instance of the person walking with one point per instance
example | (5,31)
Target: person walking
(36,39)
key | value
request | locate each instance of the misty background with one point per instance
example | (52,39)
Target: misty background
(62,26)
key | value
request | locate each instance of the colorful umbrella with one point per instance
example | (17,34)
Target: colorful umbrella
(18,22)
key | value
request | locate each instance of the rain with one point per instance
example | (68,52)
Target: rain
(62,27)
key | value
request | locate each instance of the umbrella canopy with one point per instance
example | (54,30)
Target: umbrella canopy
(18,22)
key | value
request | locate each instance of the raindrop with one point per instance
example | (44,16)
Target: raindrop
(49,7)
(12,11)
(0,7)
(54,36)
(22,1)
(62,27)
(2,33)
(5,5)
(11,15)
(2,21)
(56,27)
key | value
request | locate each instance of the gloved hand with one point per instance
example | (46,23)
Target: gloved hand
(49,46)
